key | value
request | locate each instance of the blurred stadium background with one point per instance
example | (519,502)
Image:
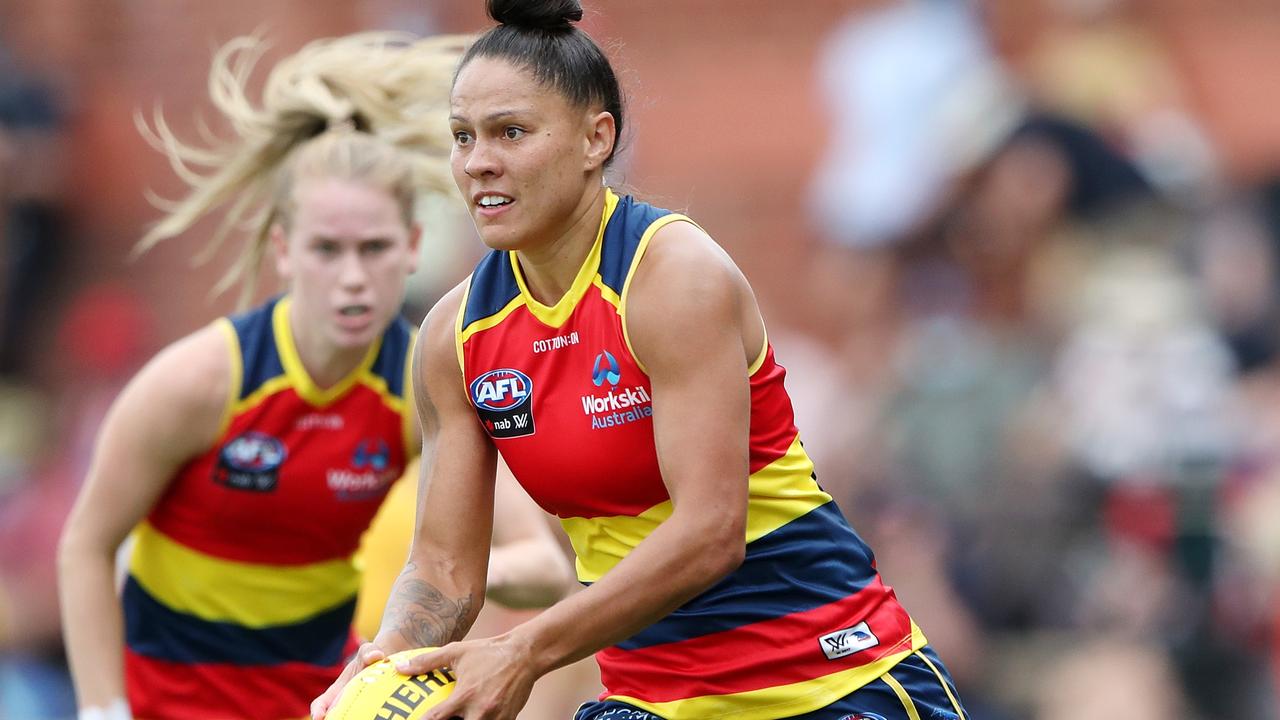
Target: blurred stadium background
(1019,257)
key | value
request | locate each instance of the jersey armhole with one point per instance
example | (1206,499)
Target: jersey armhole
(457,331)
(236,375)
(649,232)
(764,352)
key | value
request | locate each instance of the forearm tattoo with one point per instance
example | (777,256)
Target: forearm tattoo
(424,616)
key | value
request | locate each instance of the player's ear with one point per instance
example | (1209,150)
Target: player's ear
(600,132)
(415,245)
(279,241)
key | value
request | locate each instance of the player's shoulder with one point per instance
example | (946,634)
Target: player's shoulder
(682,258)
(192,375)
(439,328)
(443,316)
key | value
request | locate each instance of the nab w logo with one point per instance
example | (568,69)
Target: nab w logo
(606,368)
(504,402)
(847,641)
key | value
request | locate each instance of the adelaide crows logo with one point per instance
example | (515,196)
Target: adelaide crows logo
(504,402)
(250,462)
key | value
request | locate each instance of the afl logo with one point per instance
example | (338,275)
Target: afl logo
(250,462)
(504,402)
(501,389)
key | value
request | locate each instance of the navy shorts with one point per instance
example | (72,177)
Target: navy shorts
(918,688)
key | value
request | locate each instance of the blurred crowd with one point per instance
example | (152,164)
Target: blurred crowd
(1036,358)
(1057,385)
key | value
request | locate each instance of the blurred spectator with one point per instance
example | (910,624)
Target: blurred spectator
(1235,259)
(1101,67)
(1057,398)
(32,223)
(1145,382)
(100,340)
(34,684)
(897,81)
(34,497)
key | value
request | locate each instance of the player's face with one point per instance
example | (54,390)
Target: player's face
(346,255)
(520,154)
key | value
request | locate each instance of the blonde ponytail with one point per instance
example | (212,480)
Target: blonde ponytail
(390,88)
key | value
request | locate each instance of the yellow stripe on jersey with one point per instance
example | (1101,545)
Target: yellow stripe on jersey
(264,391)
(764,353)
(297,373)
(654,227)
(556,315)
(779,493)
(955,704)
(486,322)
(378,384)
(220,590)
(903,696)
(604,541)
(237,374)
(370,380)
(781,700)
(607,292)
(457,327)
(782,491)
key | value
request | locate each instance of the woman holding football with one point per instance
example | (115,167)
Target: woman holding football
(615,357)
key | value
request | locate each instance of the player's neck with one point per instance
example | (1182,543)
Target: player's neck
(325,363)
(550,268)
(328,369)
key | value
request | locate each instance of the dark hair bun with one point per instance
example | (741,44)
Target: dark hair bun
(536,14)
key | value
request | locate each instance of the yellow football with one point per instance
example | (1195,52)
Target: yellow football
(378,692)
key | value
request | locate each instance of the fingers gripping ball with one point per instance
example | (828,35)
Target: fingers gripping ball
(378,692)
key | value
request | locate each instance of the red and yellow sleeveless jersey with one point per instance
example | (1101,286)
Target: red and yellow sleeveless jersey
(242,583)
(805,619)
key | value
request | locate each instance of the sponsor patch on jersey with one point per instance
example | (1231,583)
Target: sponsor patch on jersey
(251,461)
(617,405)
(555,342)
(369,476)
(606,369)
(848,641)
(504,402)
(373,454)
(320,421)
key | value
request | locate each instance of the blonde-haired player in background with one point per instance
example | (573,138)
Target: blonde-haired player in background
(248,458)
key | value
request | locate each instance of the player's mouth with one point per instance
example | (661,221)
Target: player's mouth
(490,204)
(355,316)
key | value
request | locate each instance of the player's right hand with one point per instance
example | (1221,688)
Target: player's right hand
(367,655)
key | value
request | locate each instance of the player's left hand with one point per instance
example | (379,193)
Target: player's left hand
(494,677)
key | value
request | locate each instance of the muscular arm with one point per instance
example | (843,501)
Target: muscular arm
(167,414)
(441,589)
(691,320)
